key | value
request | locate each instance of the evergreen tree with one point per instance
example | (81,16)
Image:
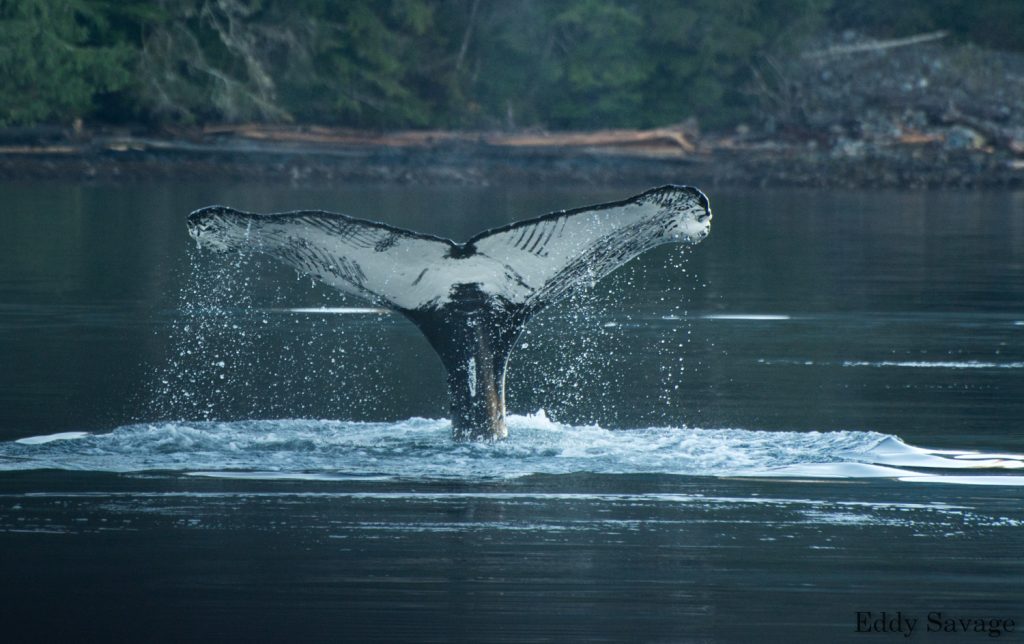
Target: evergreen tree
(431,63)
(56,59)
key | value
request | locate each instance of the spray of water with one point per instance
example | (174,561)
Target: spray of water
(244,345)
(623,336)
(238,349)
(241,351)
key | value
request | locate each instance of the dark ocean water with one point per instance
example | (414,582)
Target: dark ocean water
(814,414)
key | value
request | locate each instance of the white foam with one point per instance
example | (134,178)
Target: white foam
(286,476)
(338,310)
(538,419)
(49,438)
(893,451)
(1011,481)
(832,471)
(745,316)
(975,455)
(422,449)
(940,364)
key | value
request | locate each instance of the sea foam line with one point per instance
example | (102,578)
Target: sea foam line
(903,364)
(940,364)
(745,316)
(337,310)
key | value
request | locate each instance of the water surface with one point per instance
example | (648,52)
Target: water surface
(815,412)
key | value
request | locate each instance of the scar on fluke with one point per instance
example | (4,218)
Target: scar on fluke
(471,300)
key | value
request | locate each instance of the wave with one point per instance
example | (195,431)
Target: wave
(939,364)
(422,449)
(903,364)
(753,317)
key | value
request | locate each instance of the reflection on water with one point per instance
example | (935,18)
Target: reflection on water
(146,486)
(590,557)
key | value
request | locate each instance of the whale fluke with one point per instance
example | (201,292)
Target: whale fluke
(472,299)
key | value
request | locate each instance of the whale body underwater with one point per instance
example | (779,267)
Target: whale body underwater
(471,300)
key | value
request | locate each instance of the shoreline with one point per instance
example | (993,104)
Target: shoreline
(316,155)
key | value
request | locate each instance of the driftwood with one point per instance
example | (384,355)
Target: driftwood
(919,138)
(40,149)
(614,138)
(876,45)
(674,141)
(328,136)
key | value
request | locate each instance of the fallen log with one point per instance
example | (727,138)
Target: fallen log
(595,139)
(672,139)
(876,45)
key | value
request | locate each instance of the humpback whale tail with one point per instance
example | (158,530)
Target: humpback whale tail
(472,299)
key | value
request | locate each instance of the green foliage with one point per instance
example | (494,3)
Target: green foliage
(202,60)
(703,52)
(430,63)
(55,59)
(609,63)
(307,60)
(595,64)
(360,65)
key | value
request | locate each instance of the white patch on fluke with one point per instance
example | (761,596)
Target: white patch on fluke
(533,261)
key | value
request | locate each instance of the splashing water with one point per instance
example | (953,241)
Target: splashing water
(228,352)
(421,449)
(239,348)
(584,345)
(243,346)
